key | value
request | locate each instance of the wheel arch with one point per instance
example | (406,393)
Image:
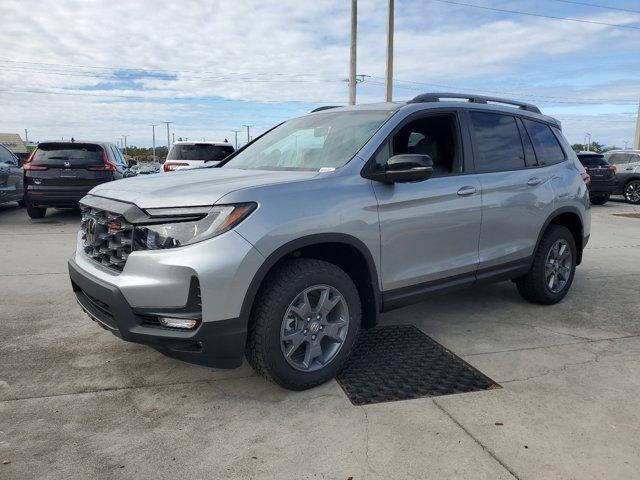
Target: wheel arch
(335,248)
(570,218)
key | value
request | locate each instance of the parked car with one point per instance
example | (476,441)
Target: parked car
(187,155)
(296,241)
(59,174)
(628,174)
(603,176)
(11,183)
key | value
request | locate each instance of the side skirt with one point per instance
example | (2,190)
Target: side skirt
(403,296)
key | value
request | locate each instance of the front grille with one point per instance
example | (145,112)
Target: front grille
(107,237)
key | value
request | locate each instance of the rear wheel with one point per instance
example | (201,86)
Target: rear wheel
(553,268)
(304,323)
(632,192)
(36,212)
(599,199)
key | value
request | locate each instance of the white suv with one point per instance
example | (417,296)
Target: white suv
(188,155)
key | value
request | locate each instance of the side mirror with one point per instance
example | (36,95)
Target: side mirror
(404,168)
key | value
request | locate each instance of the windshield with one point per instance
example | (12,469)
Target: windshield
(199,151)
(75,154)
(325,140)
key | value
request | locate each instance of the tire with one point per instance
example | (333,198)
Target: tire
(36,212)
(534,286)
(272,315)
(632,192)
(599,199)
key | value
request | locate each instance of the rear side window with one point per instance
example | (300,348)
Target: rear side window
(200,151)
(592,160)
(545,143)
(498,142)
(76,154)
(6,156)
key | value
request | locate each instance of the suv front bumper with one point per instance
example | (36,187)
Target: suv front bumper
(217,344)
(162,283)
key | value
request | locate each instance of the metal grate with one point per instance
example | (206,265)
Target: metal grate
(399,362)
(107,237)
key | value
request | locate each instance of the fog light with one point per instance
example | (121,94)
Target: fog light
(185,323)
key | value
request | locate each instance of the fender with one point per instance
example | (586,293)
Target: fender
(297,244)
(549,220)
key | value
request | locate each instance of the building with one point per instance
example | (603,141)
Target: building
(14,143)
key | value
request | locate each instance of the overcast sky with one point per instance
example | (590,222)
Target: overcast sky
(100,69)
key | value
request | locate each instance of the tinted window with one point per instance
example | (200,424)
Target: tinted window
(618,158)
(530,159)
(77,154)
(199,151)
(545,143)
(592,160)
(6,156)
(498,142)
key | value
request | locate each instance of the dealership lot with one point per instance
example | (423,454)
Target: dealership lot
(76,402)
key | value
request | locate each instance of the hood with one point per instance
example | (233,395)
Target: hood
(202,186)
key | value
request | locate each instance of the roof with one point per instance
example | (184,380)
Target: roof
(624,151)
(452,100)
(62,142)
(193,142)
(13,142)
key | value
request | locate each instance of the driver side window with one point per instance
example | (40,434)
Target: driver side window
(433,135)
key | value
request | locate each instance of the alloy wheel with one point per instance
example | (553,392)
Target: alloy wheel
(314,328)
(558,266)
(632,192)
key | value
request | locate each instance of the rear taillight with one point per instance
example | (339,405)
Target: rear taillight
(106,165)
(27,165)
(170,167)
(586,178)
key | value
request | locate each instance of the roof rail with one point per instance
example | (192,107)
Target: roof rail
(326,107)
(437,97)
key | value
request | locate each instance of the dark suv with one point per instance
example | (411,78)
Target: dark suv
(603,176)
(58,174)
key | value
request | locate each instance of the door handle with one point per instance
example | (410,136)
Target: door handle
(629,168)
(466,191)
(534,181)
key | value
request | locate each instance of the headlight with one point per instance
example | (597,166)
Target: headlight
(184,226)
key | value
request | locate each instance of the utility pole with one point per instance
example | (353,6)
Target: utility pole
(173,138)
(153,129)
(388,84)
(637,139)
(26,136)
(248,137)
(236,134)
(168,137)
(125,143)
(587,142)
(353,52)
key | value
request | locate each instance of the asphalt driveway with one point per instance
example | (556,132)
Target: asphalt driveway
(76,402)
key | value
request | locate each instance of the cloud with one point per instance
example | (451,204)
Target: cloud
(212,66)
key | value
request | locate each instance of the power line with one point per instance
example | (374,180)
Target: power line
(539,15)
(519,94)
(585,4)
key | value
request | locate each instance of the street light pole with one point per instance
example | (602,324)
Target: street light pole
(353,52)
(389,78)
(248,137)
(125,143)
(236,134)
(153,129)
(168,137)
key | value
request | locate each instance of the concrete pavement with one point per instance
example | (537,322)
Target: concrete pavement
(76,402)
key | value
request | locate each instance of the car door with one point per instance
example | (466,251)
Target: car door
(10,177)
(429,230)
(517,192)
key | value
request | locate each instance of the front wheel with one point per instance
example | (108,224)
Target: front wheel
(600,199)
(304,324)
(632,192)
(553,268)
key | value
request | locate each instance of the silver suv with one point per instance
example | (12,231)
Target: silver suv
(296,241)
